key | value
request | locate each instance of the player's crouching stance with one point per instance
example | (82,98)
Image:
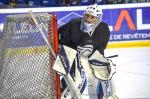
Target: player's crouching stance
(86,72)
(89,71)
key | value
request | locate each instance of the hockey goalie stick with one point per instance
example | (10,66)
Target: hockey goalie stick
(72,86)
(112,56)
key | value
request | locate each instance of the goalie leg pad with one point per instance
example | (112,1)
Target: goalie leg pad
(108,90)
(113,97)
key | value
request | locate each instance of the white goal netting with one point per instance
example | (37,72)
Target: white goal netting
(25,60)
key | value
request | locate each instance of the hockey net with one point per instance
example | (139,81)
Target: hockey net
(25,59)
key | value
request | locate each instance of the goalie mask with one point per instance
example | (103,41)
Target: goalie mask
(92,16)
(102,67)
(93,10)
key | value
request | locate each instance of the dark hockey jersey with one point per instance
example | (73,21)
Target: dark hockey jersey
(71,35)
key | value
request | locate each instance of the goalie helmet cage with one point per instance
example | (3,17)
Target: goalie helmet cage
(25,59)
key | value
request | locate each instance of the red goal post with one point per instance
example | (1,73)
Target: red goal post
(56,51)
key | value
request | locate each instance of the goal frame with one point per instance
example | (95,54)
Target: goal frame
(52,38)
(55,40)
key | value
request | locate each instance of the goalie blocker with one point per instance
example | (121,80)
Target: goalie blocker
(64,60)
(103,68)
(63,64)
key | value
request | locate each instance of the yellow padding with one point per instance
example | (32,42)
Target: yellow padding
(43,49)
(25,51)
(128,44)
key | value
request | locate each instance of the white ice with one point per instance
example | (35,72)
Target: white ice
(132,78)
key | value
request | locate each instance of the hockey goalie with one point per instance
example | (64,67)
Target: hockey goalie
(86,73)
(82,77)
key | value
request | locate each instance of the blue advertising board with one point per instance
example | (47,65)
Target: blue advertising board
(127,22)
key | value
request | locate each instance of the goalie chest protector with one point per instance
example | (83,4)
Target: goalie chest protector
(72,36)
